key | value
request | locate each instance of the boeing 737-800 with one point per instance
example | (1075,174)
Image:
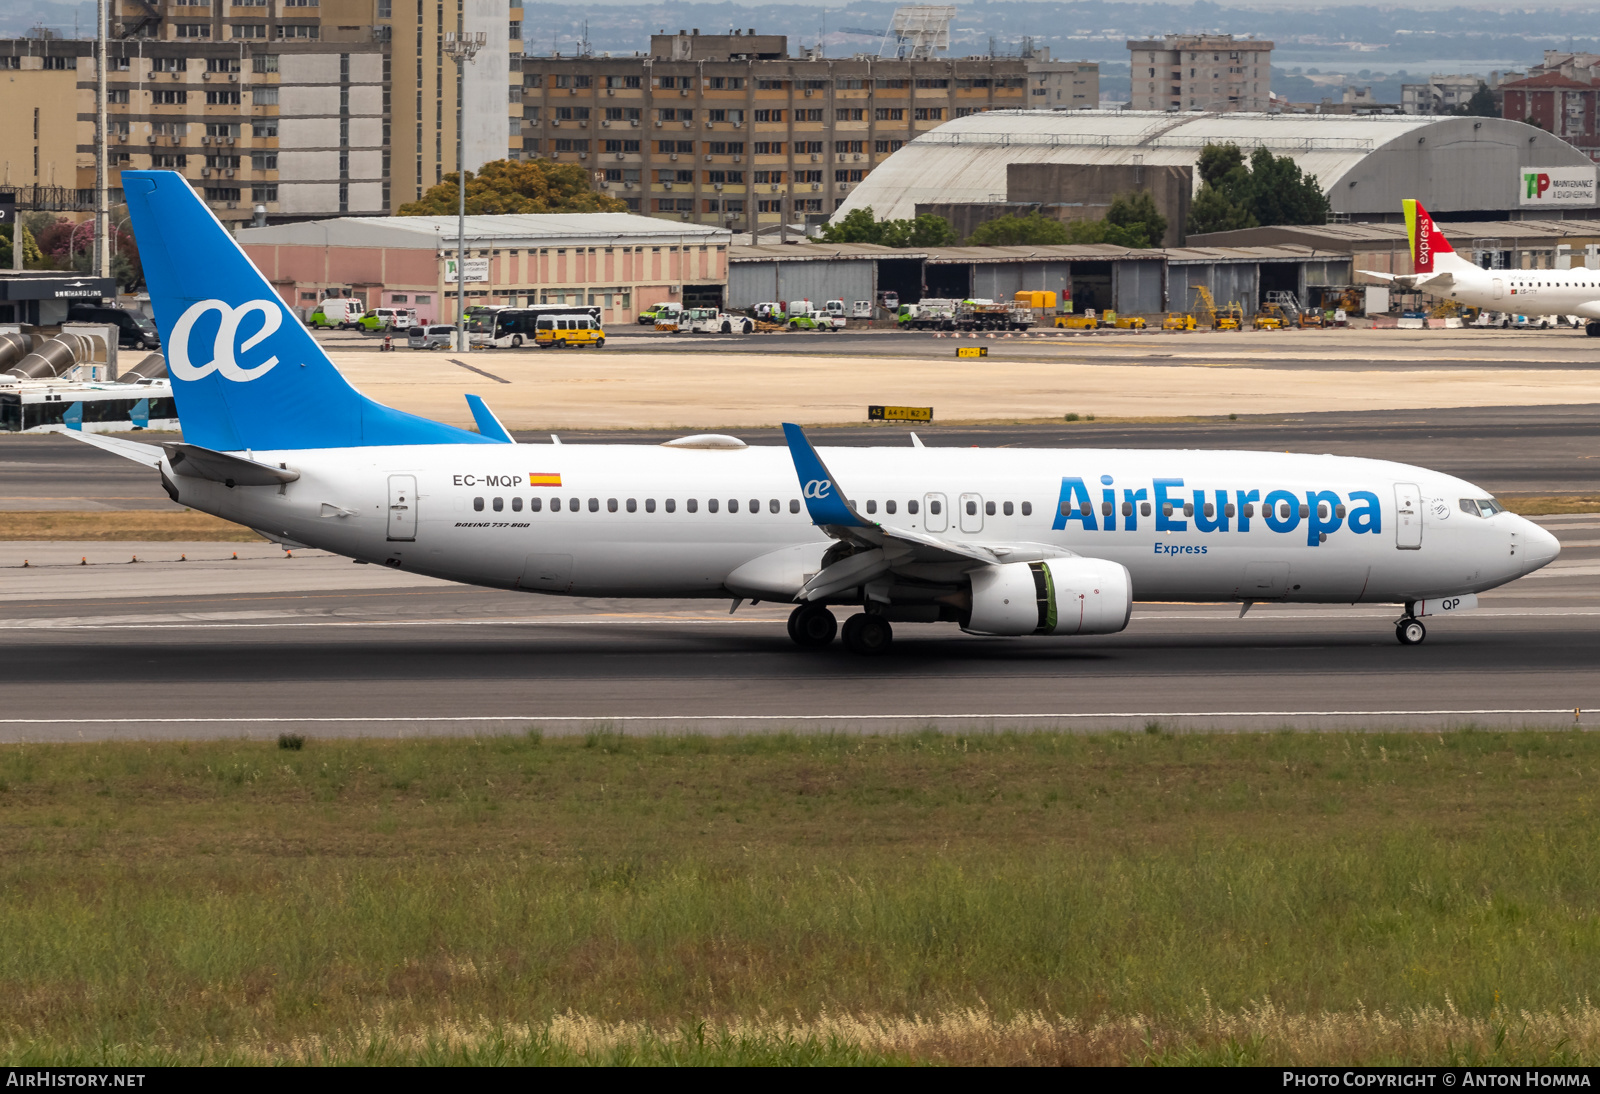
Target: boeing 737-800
(999,542)
(1442,273)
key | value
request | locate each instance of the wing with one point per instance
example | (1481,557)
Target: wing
(876,549)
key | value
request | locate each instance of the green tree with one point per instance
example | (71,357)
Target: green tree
(31,258)
(1481,105)
(1103,231)
(1281,193)
(510,186)
(1138,210)
(1219,163)
(861,226)
(1013,231)
(1212,211)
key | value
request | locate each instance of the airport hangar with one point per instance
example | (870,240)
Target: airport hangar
(1460,168)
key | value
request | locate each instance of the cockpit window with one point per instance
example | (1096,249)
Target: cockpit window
(1481,507)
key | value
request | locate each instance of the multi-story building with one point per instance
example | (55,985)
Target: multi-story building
(1560,95)
(285,104)
(1216,72)
(729,129)
(1440,95)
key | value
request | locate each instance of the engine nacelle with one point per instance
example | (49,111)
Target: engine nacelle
(1057,596)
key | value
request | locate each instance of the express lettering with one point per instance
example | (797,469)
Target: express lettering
(1174,507)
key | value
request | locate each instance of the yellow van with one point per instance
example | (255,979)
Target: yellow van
(568,331)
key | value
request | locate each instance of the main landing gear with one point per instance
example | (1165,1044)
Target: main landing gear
(812,626)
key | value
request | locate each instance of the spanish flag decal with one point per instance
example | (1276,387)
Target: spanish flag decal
(538,478)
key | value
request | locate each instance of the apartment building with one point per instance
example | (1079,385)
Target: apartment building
(1215,72)
(729,129)
(284,104)
(1439,95)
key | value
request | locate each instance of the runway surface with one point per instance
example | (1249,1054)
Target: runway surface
(311,643)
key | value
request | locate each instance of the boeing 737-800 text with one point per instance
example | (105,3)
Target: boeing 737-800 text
(1442,273)
(1000,542)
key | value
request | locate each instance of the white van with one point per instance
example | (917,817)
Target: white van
(397,318)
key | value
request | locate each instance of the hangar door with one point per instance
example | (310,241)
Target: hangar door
(1138,287)
(825,280)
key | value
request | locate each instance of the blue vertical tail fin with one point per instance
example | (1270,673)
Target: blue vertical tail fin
(245,373)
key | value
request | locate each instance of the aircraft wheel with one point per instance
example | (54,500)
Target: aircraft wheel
(812,626)
(868,635)
(1410,632)
(1592,329)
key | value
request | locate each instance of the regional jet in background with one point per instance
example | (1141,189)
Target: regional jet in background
(998,542)
(1442,273)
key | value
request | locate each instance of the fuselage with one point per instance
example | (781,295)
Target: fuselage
(648,521)
(1523,292)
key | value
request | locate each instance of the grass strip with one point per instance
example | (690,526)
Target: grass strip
(123,524)
(1019,897)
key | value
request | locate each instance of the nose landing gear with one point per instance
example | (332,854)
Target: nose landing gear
(1410,631)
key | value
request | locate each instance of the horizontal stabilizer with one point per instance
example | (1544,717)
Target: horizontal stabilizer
(203,463)
(147,454)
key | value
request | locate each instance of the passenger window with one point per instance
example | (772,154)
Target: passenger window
(1305,511)
(1188,508)
(1210,510)
(1249,508)
(911,507)
(733,505)
(672,505)
(711,505)
(633,505)
(611,505)
(649,505)
(477,505)
(1008,508)
(773,506)
(499,504)
(1144,509)
(1027,508)
(1338,511)
(934,507)
(872,506)
(594,505)
(755,505)
(1322,510)
(794,505)
(1166,509)
(1283,511)
(1227,510)
(516,505)
(535,504)
(1105,509)
(693,505)
(572,505)
(1127,508)
(972,508)
(889,507)
(988,508)
(1085,509)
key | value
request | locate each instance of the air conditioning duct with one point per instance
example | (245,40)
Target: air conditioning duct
(1056,596)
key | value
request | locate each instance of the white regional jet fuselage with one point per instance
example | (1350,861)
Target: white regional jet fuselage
(1000,542)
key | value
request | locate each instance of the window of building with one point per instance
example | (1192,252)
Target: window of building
(169,97)
(813,205)
(191,30)
(264,161)
(569,145)
(887,146)
(263,96)
(769,116)
(849,114)
(168,160)
(929,114)
(247,30)
(808,176)
(849,83)
(763,178)
(224,98)
(222,64)
(929,82)
(890,114)
(299,31)
(514,31)
(768,148)
(264,62)
(811,115)
(222,163)
(117,96)
(222,193)
(267,193)
(264,129)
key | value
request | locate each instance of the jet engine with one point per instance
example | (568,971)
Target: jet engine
(1057,596)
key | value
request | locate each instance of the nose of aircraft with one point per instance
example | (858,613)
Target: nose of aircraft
(1540,547)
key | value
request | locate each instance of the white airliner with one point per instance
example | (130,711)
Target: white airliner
(999,542)
(1442,273)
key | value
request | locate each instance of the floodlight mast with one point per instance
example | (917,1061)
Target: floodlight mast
(462,48)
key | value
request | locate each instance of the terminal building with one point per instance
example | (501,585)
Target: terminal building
(1460,168)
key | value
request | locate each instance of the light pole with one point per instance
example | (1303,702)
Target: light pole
(462,48)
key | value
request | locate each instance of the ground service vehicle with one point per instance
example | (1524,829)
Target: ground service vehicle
(134,331)
(1177,320)
(1001,542)
(889,301)
(934,314)
(568,330)
(45,406)
(712,321)
(802,316)
(993,315)
(430,337)
(834,309)
(339,311)
(511,328)
(1086,321)
(396,318)
(656,312)
(861,309)
(771,312)
(1122,322)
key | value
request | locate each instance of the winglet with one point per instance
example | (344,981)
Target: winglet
(488,425)
(824,499)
